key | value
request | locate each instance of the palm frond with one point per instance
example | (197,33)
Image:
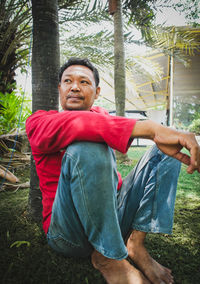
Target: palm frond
(145,66)
(172,41)
(15,17)
(97,47)
(84,11)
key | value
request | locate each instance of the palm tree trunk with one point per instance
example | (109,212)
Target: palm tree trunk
(45,66)
(45,55)
(119,67)
(115,7)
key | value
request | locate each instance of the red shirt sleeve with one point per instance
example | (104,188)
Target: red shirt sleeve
(52,131)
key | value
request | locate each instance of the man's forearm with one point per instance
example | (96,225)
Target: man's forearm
(149,129)
(170,142)
(144,129)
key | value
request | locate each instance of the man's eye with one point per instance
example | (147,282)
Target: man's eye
(67,80)
(84,82)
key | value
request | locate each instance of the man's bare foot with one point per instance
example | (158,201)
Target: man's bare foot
(154,271)
(117,271)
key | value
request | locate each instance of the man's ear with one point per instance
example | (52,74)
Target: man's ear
(98,89)
(59,87)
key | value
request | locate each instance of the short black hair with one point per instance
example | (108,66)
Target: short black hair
(80,61)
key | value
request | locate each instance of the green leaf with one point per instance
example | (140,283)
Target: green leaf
(19,243)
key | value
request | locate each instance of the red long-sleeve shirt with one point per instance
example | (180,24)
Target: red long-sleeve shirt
(50,132)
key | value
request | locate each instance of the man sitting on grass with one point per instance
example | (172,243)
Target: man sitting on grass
(87,208)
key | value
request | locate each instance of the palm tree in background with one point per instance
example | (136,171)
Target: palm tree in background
(15,18)
(115,8)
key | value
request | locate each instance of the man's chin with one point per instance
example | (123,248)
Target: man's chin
(74,107)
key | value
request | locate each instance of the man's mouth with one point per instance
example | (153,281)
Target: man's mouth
(74,97)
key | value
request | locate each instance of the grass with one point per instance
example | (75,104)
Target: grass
(35,262)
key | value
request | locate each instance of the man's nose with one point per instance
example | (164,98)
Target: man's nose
(75,87)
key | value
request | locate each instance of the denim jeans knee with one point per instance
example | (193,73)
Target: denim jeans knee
(84,214)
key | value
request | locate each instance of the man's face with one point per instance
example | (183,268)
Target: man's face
(77,88)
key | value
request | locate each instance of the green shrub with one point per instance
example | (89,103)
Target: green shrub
(195,126)
(10,108)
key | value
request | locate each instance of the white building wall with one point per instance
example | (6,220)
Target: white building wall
(158,116)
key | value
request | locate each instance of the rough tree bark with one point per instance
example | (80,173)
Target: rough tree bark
(115,9)
(45,66)
(119,67)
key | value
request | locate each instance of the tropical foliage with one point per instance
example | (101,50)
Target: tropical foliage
(74,12)
(187,115)
(191,10)
(14,33)
(98,47)
(195,126)
(11,115)
(173,41)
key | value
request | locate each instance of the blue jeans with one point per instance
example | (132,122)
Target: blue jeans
(88,212)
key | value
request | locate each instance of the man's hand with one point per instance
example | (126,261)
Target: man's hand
(171,142)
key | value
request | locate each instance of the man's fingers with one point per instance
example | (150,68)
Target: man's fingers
(190,143)
(192,162)
(195,158)
(175,143)
(184,158)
